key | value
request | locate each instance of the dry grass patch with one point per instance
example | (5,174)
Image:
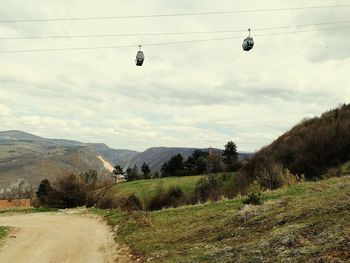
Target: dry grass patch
(295,224)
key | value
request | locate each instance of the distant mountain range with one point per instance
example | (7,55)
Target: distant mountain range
(30,157)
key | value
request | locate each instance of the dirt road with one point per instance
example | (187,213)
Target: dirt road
(56,237)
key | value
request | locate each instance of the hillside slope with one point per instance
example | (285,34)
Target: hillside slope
(156,156)
(114,156)
(311,147)
(308,222)
(32,158)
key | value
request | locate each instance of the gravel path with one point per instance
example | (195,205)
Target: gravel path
(57,237)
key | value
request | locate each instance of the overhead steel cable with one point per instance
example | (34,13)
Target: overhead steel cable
(176,14)
(167,43)
(170,33)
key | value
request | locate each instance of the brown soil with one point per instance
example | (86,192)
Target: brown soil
(59,237)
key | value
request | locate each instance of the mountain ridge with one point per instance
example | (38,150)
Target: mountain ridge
(27,156)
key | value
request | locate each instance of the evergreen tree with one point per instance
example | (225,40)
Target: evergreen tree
(135,173)
(200,162)
(174,167)
(199,153)
(230,156)
(164,170)
(190,164)
(43,191)
(201,165)
(128,173)
(118,170)
(145,170)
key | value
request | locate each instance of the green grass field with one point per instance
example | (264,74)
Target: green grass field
(144,189)
(307,222)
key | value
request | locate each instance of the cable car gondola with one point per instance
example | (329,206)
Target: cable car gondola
(248,43)
(139,57)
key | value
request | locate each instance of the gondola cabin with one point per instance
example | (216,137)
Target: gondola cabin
(140,57)
(248,44)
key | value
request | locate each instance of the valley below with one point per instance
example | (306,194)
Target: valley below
(28,157)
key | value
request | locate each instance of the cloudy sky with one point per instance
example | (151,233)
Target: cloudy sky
(197,95)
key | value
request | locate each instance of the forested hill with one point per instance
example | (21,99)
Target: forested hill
(311,147)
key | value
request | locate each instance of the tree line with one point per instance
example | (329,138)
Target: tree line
(203,162)
(133,173)
(199,162)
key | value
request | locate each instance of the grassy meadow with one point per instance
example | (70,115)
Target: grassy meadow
(145,189)
(307,222)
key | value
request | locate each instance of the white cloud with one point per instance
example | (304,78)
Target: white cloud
(4,110)
(193,95)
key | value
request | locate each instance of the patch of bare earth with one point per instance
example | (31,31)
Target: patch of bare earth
(59,237)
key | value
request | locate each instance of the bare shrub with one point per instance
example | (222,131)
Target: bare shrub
(72,190)
(108,201)
(208,189)
(273,176)
(131,203)
(241,183)
(334,172)
(101,188)
(232,184)
(35,202)
(173,197)
(141,218)
(289,179)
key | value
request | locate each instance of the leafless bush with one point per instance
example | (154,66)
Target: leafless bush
(333,172)
(76,190)
(131,203)
(101,188)
(141,218)
(273,176)
(108,201)
(208,189)
(70,190)
(241,183)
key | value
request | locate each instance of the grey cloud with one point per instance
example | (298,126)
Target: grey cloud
(329,44)
(192,95)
